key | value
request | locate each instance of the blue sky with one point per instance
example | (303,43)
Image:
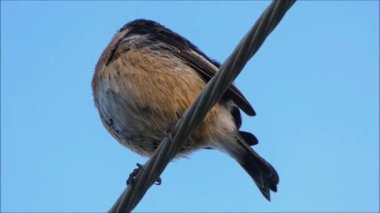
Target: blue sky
(314,85)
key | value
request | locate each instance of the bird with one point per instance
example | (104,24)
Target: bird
(148,75)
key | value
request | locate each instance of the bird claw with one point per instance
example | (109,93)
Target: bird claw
(133,175)
(158,181)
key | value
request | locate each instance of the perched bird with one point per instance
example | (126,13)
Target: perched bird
(148,75)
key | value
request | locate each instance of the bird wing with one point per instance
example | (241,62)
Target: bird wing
(207,69)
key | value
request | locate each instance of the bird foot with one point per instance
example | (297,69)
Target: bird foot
(133,175)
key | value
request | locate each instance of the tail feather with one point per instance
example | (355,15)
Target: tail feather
(262,172)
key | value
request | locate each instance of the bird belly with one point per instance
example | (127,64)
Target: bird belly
(140,98)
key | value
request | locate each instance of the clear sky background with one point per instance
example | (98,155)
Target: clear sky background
(314,84)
